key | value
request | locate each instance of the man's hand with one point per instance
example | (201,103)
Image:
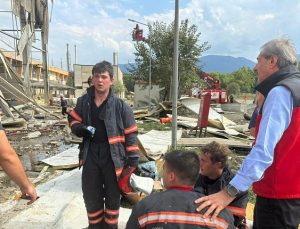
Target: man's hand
(216,203)
(88,131)
(29,192)
(124,179)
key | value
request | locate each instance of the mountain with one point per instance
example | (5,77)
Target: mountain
(124,67)
(215,63)
(223,64)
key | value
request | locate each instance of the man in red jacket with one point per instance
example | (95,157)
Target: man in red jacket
(272,166)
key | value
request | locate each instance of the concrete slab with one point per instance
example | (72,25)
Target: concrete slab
(66,159)
(60,206)
(193,104)
(198,142)
(74,216)
(156,143)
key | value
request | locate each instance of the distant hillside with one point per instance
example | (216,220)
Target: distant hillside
(124,67)
(223,64)
(216,63)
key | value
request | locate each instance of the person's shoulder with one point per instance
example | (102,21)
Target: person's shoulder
(280,89)
(120,103)
(149,201)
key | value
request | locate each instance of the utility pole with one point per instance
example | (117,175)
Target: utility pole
(150,59)
(175,78)
(75,50)
(26,51)
(45,67)
(68,58)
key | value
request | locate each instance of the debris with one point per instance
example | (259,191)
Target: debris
(65,160)
(13,122)
(156,143)
(34,134)
(198,142)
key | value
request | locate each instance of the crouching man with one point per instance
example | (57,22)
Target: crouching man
(175,207)
(216,175)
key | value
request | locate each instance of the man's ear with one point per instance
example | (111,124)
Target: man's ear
(172,176)
(219,165)
(273,61)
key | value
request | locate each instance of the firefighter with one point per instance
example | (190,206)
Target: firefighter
(175,207)
(215,175)
(109,150)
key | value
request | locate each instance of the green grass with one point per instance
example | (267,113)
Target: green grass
(146,126)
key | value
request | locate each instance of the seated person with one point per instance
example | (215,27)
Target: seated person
(215,175)
(175,207)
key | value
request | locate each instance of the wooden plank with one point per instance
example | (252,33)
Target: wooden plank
(198,142)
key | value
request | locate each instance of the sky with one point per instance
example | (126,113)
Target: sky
(98,28)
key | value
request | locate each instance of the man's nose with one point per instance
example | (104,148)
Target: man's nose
(255,70)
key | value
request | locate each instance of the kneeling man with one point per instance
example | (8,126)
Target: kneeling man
(175,207)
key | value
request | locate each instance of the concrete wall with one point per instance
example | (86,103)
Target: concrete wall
(141,95)
(83,72)
(81,75)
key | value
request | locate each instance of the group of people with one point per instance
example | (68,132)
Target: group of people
(216,198)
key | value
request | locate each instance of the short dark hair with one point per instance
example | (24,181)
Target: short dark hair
(103,67)
(185,164)
(217,152)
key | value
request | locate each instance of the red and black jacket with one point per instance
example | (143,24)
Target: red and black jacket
(281,179)
(175,209)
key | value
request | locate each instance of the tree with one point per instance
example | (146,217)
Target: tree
(162,45)
(128,82)
(244,77)
(233,88)
(118,87)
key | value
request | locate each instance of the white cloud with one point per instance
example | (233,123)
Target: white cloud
(99,28)
(131,13)
(265,17)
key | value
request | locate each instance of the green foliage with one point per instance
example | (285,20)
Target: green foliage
(161,37)
(244,77)
(118,87)
(233,88)
(147,126)
(129,82)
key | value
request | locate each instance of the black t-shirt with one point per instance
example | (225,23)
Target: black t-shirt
(98,114)
(1,127)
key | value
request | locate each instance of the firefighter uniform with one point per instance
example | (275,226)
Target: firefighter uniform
(175,209)
(103,156)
